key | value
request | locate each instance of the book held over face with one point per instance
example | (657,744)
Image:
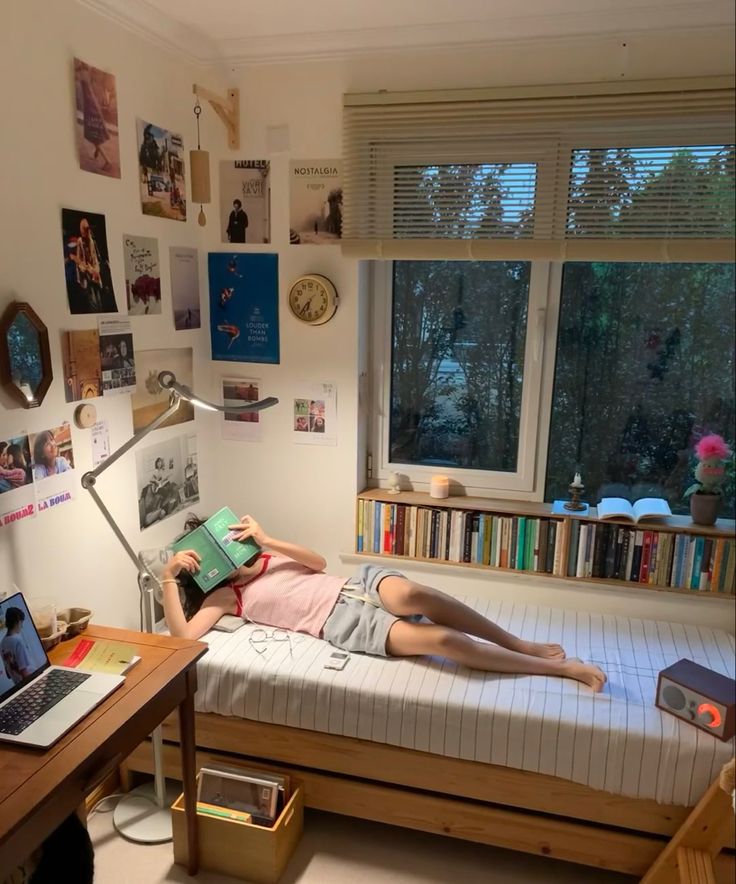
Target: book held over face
(645,508)
(219,551)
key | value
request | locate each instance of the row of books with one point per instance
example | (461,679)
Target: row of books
(518,542)
(659,558)
(563,547)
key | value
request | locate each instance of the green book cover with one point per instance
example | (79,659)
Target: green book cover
(220,552)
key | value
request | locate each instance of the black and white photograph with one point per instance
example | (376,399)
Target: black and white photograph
(315,202)
(245,201)
(167,478)
(89,286)
(117,357)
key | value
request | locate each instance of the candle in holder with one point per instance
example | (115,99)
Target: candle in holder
(439,486)
(577,480)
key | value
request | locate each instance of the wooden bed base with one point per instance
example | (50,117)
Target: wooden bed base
(500,806)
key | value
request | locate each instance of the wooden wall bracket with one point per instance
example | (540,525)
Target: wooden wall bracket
(227,109)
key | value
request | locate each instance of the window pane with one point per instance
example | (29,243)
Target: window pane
(477,201)
(645,366)
(458,336)
(652,191)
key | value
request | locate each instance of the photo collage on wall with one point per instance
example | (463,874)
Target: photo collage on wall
(102,360)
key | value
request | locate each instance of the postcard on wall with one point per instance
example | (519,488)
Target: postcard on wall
(86,262)
(142,275)
(184,270)
(149,399)
(98,143)
(52,455)
(244,307)
(161,172)
(315,202)
(245,201)
(315,414)
(167,478)
(100,442)
(245,426)
(80,356)
(117,357)
(17,499)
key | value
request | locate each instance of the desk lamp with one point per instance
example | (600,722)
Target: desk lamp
(143,814)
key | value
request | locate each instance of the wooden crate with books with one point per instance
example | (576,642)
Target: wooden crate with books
(249,822)
(647,546)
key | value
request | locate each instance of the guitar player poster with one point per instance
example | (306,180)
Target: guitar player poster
(87,262)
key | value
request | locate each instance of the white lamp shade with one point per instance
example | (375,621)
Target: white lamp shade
(199,163)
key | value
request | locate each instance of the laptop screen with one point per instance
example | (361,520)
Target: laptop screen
(23,655)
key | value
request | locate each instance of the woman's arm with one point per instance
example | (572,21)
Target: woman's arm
(216,603)
(249,527)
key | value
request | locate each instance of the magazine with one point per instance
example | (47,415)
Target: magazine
(220,552)
(98,655)
(645,508)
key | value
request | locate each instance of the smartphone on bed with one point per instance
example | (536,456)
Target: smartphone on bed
(228,623)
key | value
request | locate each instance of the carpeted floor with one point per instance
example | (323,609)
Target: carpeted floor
(341,850)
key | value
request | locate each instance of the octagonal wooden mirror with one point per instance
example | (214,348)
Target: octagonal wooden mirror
(25,358)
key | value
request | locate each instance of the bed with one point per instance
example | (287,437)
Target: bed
(527,762)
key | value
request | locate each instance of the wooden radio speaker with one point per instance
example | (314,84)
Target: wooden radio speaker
(699,696)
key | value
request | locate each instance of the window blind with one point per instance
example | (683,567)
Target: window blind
(632,172)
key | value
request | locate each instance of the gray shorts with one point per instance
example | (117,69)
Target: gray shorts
(359,622)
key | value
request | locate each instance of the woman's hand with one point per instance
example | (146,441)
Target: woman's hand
(186,560)
(248,527)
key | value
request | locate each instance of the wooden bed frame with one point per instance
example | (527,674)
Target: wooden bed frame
(470,800)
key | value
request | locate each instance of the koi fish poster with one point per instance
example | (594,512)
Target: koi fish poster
(244,306)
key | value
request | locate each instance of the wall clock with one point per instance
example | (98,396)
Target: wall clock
(313,299)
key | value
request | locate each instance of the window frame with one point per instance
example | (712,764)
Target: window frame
(541,331)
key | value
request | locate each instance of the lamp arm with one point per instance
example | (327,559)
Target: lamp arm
(90,478)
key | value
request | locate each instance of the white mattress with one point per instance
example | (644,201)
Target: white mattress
(617,741)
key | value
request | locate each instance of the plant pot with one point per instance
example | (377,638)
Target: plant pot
(704,508)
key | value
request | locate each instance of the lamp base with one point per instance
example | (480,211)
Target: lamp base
(138,817)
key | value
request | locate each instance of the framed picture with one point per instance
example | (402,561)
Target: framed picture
(248,794)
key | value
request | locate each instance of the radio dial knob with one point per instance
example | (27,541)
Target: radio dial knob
(709,715)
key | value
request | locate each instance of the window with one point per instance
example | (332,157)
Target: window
(561,295)
(645,366)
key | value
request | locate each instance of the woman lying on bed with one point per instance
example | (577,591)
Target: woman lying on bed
(377,611)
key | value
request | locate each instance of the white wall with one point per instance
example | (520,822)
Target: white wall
(304,493)
(71,553)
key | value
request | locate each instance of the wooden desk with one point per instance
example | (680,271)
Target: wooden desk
(39,789)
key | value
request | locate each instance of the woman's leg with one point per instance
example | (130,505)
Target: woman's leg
(404,597)
(417,639)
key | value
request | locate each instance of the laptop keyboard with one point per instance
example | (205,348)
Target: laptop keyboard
(39,697)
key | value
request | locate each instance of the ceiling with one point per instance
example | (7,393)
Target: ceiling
(247,31)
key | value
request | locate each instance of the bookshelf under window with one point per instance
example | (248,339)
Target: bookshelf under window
(674,555)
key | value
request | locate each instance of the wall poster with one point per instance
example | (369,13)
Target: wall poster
(161,172)
(98,143)
(315,202)
(245,201)
(142,275)
(244,307)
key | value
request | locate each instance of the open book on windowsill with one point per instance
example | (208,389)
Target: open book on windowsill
(640,510)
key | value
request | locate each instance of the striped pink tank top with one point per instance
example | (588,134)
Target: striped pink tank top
(288,595)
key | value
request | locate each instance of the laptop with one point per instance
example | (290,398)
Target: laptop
(39,702)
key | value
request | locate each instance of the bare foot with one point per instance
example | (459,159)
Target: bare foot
(586,672)
(535,649)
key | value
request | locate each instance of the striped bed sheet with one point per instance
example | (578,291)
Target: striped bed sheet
(616,741)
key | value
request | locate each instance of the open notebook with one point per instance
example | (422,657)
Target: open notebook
(40,702)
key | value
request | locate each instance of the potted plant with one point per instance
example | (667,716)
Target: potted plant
(706,493)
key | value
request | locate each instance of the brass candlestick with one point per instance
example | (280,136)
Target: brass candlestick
(575,490)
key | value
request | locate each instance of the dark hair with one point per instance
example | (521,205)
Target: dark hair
(163,464)
(3,446)
(39,443)
(238,204)
(13,616)
(190,593)
(16,452)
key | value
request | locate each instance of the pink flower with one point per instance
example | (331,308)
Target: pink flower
(712,446)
